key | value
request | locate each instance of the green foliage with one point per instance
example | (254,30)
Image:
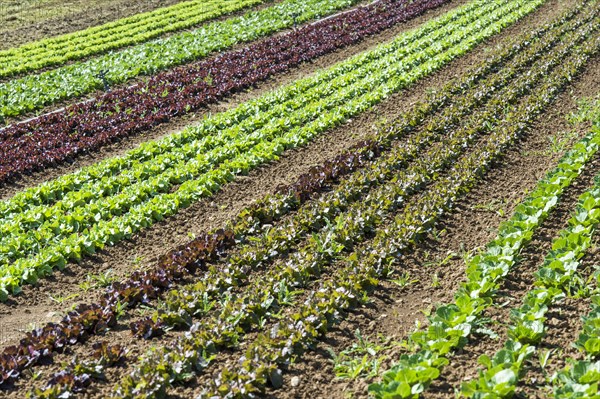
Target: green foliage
(114,35)
(44,228)
(32,92)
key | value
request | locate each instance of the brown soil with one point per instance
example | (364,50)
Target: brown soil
(27,21)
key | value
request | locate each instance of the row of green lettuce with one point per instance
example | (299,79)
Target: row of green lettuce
(114,35)
(163,177)
(580,379)
(451,325)
(556,278)
(32,92)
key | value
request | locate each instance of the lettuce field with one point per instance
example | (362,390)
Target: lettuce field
(302,199)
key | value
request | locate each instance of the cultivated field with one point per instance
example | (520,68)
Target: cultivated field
(301,199)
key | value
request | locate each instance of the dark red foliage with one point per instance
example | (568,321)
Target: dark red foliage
(107,354)
(59,137)
(70,381)
(146,328)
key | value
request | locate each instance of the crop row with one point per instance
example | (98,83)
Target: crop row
(57,137)
(555,279)
(114,35)
(143,194)
(451,325)
(143,287)
(361,270)
(580,379)
(32,92)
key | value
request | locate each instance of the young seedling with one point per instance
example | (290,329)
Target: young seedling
(120,308)
(363,359)
(404,280)
(544,359)
(62,299)
(102,280)
(86,285)
(435,281)
(438,234)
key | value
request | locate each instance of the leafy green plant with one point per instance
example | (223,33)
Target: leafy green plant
(554,281)
(363,359)
(61,299)
(404,280)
